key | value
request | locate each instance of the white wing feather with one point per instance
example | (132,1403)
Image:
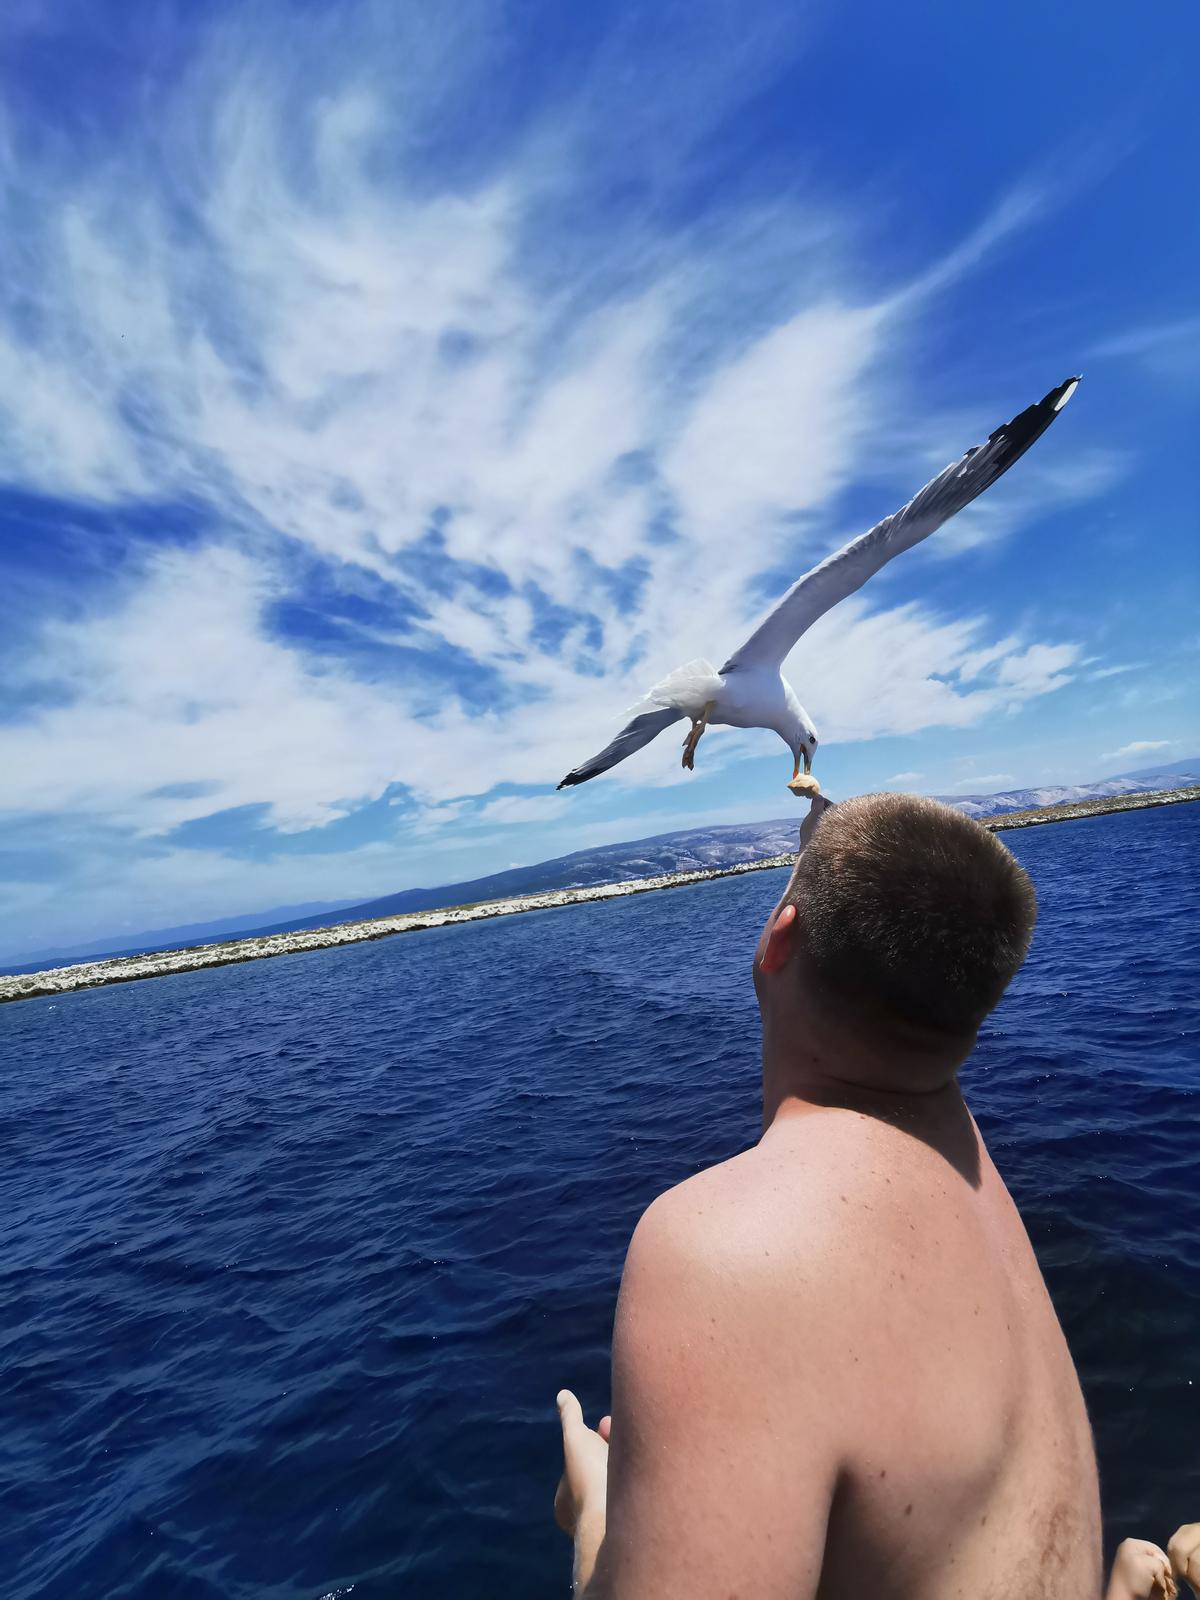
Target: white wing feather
(843,573)
(639,731)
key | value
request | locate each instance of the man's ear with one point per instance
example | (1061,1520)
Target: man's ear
(781,941)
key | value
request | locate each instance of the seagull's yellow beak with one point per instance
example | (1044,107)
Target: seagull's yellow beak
(806,757)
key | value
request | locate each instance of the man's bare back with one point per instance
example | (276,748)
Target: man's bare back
(836,1368)
(880,1313)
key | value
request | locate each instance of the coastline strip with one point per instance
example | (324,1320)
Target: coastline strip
(128,969)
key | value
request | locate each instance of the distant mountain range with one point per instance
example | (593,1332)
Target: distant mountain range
(691,849)
(687,850)
(1175,776)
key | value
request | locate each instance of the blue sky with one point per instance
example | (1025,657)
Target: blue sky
(389,394)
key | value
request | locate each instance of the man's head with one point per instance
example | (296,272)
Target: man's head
(903,923)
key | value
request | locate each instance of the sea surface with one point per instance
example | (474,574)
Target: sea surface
(296,1254)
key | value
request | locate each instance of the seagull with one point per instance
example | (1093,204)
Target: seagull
(750,691)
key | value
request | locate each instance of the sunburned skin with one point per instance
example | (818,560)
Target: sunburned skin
(837,1371)
(836,1368)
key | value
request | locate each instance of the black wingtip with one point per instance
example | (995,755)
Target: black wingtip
(1027,427)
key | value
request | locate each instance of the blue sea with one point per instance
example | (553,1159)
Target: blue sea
(297,1253)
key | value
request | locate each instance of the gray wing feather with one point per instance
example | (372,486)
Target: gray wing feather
(843,573)
(632,737)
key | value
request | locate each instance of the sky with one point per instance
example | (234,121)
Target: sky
(390,394)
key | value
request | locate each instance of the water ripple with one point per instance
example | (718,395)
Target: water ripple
(298,1252)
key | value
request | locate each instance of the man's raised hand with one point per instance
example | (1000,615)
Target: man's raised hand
(815,812)
(1140,1571)
(583,1487)
(1184,1551)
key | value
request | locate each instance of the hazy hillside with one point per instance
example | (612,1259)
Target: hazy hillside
(992,805)
(682,851)
(691,848)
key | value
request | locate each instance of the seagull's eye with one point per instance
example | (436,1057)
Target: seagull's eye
(812,738)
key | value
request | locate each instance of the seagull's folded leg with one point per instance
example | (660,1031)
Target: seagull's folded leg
(693,738)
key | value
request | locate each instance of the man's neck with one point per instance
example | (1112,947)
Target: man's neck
(795,1094)
(815,1076)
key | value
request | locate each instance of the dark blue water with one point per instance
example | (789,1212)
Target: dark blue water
(296,1254)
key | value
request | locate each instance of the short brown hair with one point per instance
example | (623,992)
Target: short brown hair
(911,912)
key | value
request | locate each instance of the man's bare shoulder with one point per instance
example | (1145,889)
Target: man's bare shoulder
(804,1190)
(724,1444)
(739,1238)
(734,1304)
(784,1248)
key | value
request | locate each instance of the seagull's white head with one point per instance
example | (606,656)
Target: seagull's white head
(795,728)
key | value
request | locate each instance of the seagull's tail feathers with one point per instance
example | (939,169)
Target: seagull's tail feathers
(962,482)
(688,689)
(648,725)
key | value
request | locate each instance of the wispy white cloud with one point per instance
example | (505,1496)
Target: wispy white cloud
(1168,350)
(1015,212)
(905,777)
(1117,670)
(1137,747)
(980,781)
(1135,697)
(901,670)
(777,428)
(1048,483)
(564,482)
(521,808)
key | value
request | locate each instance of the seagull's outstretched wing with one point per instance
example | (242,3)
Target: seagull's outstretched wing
(849,569)
(632,737)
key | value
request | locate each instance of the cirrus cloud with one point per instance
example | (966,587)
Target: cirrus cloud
(472,471)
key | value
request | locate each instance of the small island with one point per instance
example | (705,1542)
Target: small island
(160,964)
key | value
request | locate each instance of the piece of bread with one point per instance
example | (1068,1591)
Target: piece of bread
(805,786)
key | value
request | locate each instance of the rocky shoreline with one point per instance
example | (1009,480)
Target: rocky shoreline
(128,969)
